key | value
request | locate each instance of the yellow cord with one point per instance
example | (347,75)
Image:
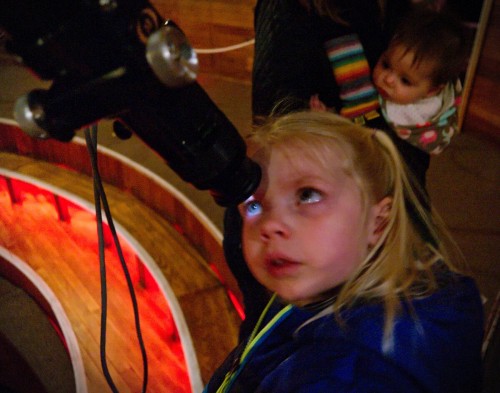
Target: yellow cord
(253,340)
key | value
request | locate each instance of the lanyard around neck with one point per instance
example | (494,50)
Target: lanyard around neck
(255,339)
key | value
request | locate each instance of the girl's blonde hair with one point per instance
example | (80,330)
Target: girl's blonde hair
(404,262)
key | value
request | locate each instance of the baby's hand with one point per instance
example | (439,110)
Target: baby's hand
(316,104)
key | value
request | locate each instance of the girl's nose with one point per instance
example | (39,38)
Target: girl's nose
(273,226)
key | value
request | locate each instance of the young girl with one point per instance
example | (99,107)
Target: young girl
(360,301)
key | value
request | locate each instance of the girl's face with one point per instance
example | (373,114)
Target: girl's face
(399,80)
(304,229)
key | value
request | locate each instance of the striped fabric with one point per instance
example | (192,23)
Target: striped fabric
(352,73)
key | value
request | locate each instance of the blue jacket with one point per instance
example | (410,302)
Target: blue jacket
(436,347)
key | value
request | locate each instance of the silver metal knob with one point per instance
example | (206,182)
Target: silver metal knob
(171,57)
(27,117)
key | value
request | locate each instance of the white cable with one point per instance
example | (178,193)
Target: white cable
(226,48)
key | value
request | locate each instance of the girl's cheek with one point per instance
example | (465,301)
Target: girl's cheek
(249,231)
(254,233)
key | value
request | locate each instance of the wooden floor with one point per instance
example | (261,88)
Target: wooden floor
(65,256)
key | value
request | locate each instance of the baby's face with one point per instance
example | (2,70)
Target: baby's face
(398,79)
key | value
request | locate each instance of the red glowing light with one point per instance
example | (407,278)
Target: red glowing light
(157,324)
(236,303)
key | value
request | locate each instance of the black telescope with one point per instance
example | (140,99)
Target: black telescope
(119,59)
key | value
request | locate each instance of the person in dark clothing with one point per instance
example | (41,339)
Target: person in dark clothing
(290,59)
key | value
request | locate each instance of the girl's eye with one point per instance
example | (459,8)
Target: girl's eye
(385,64)
(251,208)
(309,195)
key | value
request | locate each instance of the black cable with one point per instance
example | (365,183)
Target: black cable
(102,263)
(99,195)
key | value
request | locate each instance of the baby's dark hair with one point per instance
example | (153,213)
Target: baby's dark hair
(435,36)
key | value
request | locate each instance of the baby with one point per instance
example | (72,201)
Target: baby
(417,79)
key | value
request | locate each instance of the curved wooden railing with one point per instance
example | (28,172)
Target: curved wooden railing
(145,207)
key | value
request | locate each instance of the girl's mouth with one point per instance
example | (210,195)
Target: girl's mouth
(279,267)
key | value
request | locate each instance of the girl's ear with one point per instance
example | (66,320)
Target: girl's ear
(379,219)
